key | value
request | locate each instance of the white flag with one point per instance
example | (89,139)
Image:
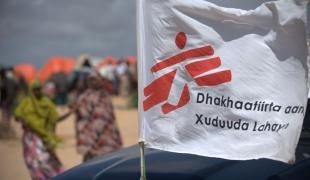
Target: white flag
(222,82)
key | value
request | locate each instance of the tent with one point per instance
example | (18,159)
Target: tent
(55,65)
(28,71)
(107,60)
(131,60)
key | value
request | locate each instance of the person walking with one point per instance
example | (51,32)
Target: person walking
(39,117)
(96,128)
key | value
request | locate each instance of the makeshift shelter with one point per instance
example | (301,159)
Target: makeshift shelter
(56,65)
(28,71)
(131,60)
(105,61)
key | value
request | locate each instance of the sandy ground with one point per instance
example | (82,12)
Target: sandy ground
(12,165)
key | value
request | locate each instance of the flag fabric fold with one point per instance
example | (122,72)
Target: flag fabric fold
(222,81)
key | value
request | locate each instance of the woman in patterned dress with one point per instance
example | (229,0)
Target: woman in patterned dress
(96,129)
(38,116)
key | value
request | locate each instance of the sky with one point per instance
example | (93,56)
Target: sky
(31,31)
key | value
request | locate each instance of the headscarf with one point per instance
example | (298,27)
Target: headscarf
(82,60)
(104,83)
(39,115)
(49,89)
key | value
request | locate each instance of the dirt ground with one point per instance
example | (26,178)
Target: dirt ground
(12,165)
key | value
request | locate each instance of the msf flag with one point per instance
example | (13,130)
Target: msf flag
(222,81)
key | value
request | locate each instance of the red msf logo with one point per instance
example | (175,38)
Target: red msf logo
(158,91)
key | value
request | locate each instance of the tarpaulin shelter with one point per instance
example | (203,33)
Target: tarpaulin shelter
(28,71)
(56,65)
(131,60)
(107,60)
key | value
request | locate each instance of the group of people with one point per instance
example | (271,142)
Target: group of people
(96,128)
(123,75)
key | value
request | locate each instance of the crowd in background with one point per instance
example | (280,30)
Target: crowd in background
(86,90)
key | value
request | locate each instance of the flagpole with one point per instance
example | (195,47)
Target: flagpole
(140,55)
(142,162)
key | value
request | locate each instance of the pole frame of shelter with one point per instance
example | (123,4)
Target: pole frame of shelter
(142,161)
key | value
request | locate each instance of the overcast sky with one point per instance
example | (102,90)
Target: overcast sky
(33,30)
